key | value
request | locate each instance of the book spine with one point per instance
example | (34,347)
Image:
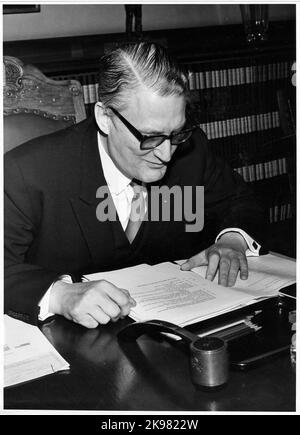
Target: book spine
(191,78)
(197,80)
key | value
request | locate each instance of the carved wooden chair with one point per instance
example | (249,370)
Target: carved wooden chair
(35,105)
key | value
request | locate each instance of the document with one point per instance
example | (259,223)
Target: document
(267,275)
(164,292)
(27,353)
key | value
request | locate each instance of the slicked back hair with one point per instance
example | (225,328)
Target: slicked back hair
(130,66)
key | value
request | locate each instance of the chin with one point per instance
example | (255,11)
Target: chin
(152,176)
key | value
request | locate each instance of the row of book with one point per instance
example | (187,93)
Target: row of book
(224,103)
(263,170)
(280,212)
(239,76)
(243,125)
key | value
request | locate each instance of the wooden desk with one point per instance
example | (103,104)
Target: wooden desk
(151,376)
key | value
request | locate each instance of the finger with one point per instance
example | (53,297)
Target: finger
(213,263)
(114,310)
(87,321)
(233,271)
(125,310)
(124,290)
(109,307)
(99,315)
(244,272)
(127,293)
(224,267)
(122,315)
(118,295)
(197,260)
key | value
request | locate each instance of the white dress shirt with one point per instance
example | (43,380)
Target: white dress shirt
(119,186)
(122,193)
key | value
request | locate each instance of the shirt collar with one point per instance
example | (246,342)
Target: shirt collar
(116,181)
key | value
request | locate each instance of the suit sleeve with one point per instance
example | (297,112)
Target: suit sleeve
(24,283)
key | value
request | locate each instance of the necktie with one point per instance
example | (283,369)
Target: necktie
(137,212)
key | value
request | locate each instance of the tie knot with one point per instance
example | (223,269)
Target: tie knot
(137,189)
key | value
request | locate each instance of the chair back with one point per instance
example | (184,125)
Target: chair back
(35,105)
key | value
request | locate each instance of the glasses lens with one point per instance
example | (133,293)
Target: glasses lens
(152,142)
(181,137)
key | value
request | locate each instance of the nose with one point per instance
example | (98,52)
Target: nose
(164,151)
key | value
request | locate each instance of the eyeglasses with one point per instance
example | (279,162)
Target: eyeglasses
(151,142)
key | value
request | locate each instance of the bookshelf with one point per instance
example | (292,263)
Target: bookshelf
(236,97)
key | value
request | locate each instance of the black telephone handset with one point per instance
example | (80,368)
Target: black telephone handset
(135,330)
(208,356)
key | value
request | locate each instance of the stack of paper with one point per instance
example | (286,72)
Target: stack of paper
(164,292)
(27,353)
(267,275)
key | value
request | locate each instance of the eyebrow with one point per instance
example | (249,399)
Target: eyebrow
(159,133)
(151,132)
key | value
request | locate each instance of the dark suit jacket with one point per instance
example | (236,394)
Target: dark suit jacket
(51,226)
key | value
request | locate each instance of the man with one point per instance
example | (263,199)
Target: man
(140,133)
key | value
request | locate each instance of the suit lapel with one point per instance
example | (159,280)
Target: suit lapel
(98,234)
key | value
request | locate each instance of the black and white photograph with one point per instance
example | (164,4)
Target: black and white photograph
(149,211)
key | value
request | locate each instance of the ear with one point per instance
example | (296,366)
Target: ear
(102,119)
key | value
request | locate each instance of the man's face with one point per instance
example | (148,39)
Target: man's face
(151,114)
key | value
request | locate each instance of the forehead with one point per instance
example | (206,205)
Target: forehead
(149,111)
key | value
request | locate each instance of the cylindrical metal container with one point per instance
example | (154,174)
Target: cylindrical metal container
(209,362)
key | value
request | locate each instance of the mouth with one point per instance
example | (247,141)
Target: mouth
(156,164)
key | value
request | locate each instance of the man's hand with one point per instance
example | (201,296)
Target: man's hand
(90,303)
(227,256)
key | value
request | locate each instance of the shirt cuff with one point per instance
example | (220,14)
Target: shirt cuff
(253,246)
(44,313)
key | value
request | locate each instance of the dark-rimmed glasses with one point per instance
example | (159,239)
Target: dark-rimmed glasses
(151,142)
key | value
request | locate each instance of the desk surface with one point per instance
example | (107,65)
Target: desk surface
(150,376)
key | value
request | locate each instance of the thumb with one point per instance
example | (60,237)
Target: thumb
(197,260)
